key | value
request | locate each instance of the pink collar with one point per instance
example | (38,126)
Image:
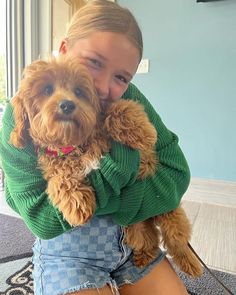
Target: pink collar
(55,153)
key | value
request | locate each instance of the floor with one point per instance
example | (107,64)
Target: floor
(211,208)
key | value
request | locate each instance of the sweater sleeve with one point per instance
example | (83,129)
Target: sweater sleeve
(25,187)
(162,192)
(118,169)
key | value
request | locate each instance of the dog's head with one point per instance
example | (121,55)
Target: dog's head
(56,104)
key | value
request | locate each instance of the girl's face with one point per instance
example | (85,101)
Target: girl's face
(111,59)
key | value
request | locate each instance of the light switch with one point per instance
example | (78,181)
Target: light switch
(143,66)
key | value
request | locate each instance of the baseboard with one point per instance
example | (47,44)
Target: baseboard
(212,191)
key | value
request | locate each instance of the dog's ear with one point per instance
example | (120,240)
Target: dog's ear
(35,66)
(19,134)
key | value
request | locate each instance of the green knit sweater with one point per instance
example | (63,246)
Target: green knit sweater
(118,192)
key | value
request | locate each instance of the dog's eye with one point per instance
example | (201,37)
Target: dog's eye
(78,92)
(48,90)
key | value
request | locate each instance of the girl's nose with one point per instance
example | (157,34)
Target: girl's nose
(102,85)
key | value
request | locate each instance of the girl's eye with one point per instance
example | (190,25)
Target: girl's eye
(48,90)
(94,62)
(122,79)
(78,92)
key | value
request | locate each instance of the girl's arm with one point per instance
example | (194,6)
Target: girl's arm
(162,192)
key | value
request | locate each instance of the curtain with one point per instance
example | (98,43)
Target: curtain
(28,37)
(14,44)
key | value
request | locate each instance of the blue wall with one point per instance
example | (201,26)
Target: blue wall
(192,79)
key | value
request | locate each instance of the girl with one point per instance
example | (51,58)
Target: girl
(93,259)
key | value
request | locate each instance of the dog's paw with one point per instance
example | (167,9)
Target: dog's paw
(80,208)
(144,238)
(127,122)
(148,164)
(77,205)
(79,216)
(142,258)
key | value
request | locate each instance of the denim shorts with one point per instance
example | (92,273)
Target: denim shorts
(88,257)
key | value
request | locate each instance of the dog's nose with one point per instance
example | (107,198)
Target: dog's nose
(67,106)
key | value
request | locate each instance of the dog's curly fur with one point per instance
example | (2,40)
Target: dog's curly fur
(57,106)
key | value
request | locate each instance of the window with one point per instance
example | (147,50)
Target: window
(2,57)
(2,67)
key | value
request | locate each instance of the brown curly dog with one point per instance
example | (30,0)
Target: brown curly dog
(57,107)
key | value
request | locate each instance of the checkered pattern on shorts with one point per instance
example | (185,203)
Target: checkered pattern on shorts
(89,256)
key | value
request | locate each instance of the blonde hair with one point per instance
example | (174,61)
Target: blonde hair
(102,15)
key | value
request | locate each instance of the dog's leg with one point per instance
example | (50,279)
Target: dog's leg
(67,188)
(143,238)
(75,200)
(176,233)
(127,122)
(148,163)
